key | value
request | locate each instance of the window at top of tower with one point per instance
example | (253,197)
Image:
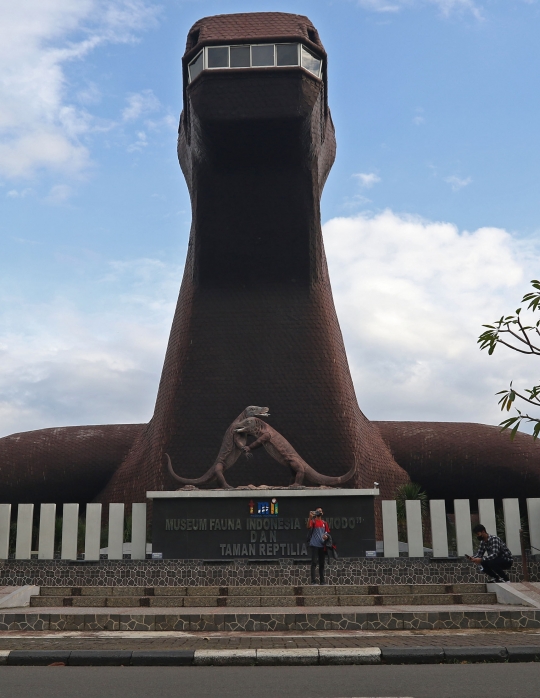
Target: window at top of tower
(196,66)
(311,62)
(254,56)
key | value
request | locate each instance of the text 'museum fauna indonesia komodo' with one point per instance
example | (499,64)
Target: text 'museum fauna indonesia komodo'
(255,320)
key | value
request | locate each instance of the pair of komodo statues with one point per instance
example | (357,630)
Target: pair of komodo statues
(235,444)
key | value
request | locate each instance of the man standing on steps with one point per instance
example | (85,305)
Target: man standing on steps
(492,555)
(318,534)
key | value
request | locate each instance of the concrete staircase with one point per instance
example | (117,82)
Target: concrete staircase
(264,596)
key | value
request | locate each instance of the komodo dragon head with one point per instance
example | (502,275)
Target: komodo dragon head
(248,426)
(254,411)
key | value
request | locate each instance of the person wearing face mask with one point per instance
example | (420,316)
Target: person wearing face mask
(317,537)
(492,555)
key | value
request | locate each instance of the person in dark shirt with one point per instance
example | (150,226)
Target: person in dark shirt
(318,534)
(492,554)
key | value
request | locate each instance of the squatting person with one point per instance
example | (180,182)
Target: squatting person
(492,555)
(317,536)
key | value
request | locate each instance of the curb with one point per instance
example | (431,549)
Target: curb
(412,655)
(270,657)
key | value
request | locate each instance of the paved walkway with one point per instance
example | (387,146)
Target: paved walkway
(11,640)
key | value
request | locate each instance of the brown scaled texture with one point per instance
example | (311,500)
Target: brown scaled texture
(458,460)
(64,464)
(255,321)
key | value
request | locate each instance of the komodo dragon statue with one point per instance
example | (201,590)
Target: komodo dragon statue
(281,450)
(231,449)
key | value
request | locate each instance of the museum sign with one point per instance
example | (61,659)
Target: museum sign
(263,524)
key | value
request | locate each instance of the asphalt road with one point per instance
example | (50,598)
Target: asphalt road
(438,681)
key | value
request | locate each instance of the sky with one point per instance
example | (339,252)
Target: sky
(430,215)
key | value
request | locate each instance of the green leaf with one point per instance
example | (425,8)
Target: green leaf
(514,432)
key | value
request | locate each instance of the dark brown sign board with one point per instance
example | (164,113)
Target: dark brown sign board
(257,525)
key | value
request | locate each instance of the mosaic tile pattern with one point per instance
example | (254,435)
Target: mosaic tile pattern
(167,573)
(235,622)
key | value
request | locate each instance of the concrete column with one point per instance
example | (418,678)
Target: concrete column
(5,522)
(462,511)
(486,511)
(439,531)
(138,532)
(23,541)
(116,531)
(70,530)
(47,516)
(415,537)
(390,529)
(533,507)
(93,532)
(512,524)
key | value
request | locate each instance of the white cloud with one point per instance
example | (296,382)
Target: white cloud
(367,180)
(458,183)
(446,7)
(139,144)
(411,297)
(381,5)
(139,104)
(19,193)
(62,365)
(40,126)
(59,194)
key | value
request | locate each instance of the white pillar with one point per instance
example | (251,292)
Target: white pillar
(23,541)
(116,531)
(138,532)
(415,538)
(486,511)
(512,524)
(70,531)
(5,523)
(439,532)
(462,511)
(533,507)
(47,517)
(93,532)
(390,529)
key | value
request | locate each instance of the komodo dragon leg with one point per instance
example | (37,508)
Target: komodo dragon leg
(261,441)
(299,479)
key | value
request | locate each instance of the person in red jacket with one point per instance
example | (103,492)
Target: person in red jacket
(318,534)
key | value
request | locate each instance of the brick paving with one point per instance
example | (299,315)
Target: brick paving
(10,640)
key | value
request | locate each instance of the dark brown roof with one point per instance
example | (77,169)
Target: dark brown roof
(454,460)
(64,464)
(252,26)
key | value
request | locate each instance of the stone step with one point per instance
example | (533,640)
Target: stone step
(502,618)
(234,601)
(315,590)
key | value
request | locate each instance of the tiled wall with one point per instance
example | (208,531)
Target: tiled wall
(196,572)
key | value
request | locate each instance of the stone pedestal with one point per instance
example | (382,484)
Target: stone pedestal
(258,524)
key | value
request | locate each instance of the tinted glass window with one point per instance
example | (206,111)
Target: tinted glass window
(195,67)
(239,56)
(218,57)
(310,62)
(262,55)
(287,54)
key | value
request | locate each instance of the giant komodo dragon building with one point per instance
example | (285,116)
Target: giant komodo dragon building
(255,322)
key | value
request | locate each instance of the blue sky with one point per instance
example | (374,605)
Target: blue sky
(431,211)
